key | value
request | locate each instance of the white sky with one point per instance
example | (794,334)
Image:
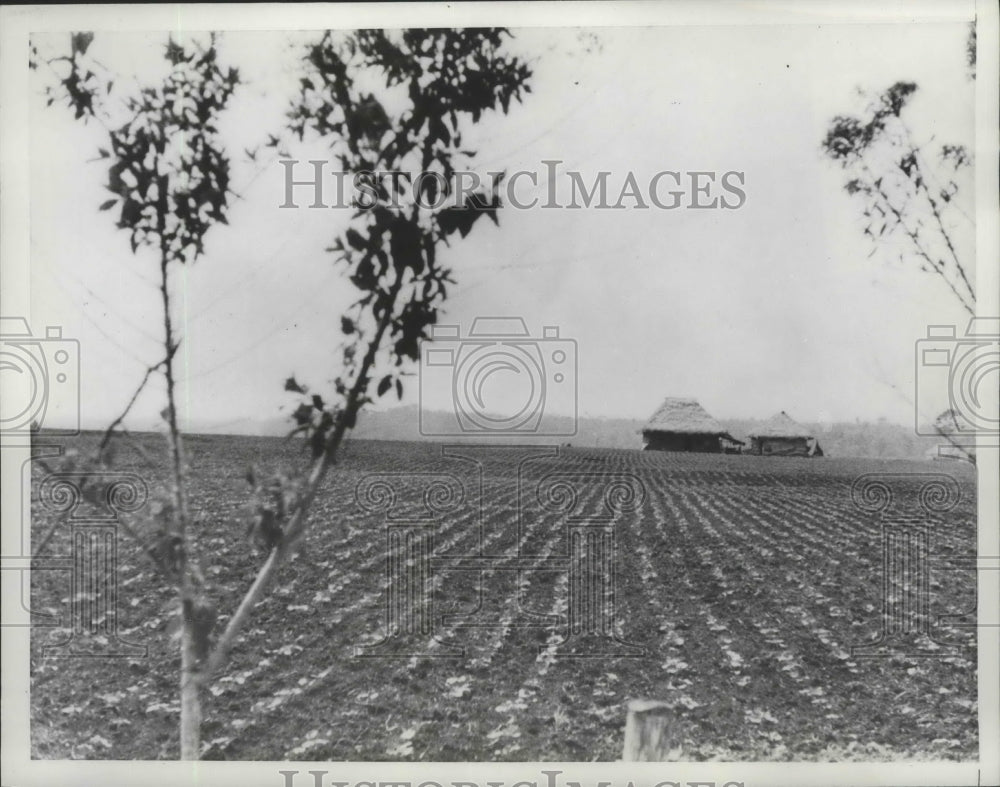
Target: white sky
(775,306)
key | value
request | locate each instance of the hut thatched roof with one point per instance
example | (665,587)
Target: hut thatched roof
(781,425)
(684,416)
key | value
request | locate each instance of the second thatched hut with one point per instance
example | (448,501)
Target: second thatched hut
(780,435)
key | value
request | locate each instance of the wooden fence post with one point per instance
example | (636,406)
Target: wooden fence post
(651,730)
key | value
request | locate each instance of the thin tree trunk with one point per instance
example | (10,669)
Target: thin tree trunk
(196,667)
(190,698)
(190,678)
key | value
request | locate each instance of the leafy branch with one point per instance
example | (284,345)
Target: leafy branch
(903,191)
(389,252)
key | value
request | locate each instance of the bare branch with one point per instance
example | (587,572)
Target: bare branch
(111,427)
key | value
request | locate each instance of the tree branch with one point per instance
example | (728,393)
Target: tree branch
(937,265)
(297,524)
(111,427)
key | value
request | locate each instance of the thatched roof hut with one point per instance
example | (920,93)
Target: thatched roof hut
(683,425)
(780,435)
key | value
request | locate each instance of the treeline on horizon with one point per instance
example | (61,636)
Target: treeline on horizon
(862,439)
(877,440)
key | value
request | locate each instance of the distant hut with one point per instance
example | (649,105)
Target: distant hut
(781,436)
(683,425)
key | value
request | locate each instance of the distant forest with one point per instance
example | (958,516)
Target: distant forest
(881,440)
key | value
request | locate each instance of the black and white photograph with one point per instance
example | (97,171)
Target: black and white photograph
(529,394)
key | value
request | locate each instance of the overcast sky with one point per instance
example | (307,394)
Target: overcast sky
(777,305)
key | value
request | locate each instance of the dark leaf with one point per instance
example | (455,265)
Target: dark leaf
(303,414)
(356,240)
(80,42)
(131,212)
(405,245)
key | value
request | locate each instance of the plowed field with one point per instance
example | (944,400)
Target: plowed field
(460,604)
